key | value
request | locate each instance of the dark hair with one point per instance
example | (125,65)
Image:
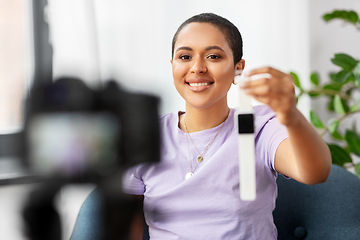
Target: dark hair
(229,30)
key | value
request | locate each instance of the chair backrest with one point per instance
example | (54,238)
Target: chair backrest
(89,223)
(330,210)
(326,211)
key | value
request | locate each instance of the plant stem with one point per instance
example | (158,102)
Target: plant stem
(330,92)
(339,119)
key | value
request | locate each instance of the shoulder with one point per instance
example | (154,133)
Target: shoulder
(168,119)
(168,124)
(263,114)
(167,116)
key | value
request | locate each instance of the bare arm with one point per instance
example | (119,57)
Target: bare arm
(138,222)
(304,156)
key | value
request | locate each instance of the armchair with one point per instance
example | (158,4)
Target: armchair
(326,211)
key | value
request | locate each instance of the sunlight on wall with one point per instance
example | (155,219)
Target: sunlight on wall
(13,63)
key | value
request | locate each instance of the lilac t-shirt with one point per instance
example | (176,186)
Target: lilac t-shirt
(208,204)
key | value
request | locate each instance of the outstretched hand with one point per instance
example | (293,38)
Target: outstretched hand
(303,156)
(276,90)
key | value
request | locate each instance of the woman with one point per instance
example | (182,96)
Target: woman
(193,193)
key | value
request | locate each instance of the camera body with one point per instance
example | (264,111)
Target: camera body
(75,133)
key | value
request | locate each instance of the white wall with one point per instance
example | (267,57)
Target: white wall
(134,39)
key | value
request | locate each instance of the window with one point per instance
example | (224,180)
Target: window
(14,62)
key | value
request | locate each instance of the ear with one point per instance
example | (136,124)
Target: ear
(239,67)
(171,61)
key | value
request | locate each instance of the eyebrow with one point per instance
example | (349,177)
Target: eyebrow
(183,48)
(214,47)
(207,48)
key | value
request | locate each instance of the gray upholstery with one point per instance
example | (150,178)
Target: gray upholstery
(328,211)
(89,224)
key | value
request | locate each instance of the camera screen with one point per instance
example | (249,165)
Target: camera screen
(73,143)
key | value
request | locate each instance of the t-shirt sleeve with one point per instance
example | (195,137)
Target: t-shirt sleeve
(275,133)
(270,137)
(132,183)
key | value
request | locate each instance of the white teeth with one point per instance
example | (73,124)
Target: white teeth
(198,84)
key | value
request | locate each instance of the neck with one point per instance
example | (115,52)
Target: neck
(205,118)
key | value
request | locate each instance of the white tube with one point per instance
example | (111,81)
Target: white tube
(246,147)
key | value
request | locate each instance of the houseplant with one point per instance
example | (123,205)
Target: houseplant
(343,101)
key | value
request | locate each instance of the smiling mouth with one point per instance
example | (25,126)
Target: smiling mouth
(199,84)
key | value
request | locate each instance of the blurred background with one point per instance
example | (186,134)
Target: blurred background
(131,42)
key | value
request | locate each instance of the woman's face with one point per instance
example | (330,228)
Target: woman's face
(203,66)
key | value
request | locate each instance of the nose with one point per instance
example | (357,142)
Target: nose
(199,66)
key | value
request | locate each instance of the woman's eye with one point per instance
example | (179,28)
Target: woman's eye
(184,57)
(214,56)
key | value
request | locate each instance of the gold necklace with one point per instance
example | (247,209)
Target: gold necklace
(200,158)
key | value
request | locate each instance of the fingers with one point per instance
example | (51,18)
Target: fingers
(272,71)
(274,88)
(268,87)
(257,88)
(269,80)
(271,87)
(253,83)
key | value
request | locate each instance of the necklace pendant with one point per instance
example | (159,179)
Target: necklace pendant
(199,159)
(188,175)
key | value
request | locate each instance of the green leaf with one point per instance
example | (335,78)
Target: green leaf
(356,106)
(333,126)
(347,149)
(357,169)
(338,106)
(345,105)
(353,17)
(357,83)
(353,141)
(337,136)
(331,105)
(344,15)
(328,17)
(337,14)
(296,80)
(315,79)
(342,76)
(356,73)
(351,78)
(315,120)
(343,102)
(333,86)
(349,16)
(345,61)
(339,155)
(332,76)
